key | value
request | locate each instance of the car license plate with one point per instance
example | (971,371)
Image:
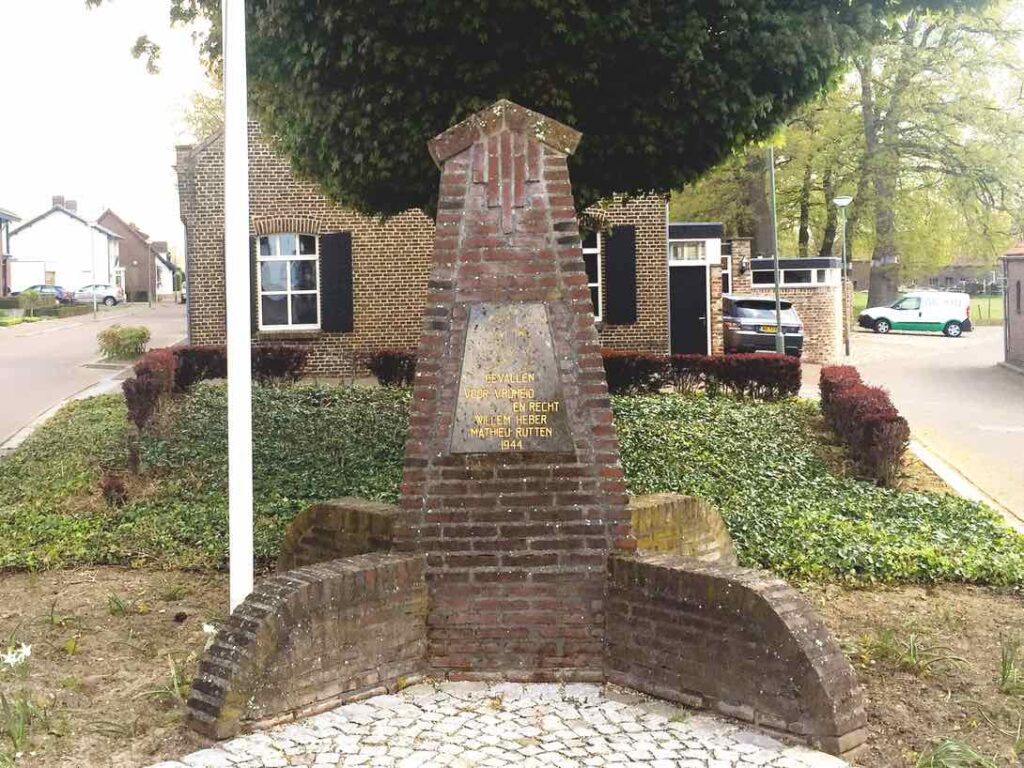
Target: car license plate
(769,328)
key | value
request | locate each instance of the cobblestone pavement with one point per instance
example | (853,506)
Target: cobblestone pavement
(506,724)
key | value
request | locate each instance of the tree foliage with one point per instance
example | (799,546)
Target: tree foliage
(662,90)
(926,133)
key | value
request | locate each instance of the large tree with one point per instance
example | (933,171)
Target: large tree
(663,90)
(936,126)
(926,133)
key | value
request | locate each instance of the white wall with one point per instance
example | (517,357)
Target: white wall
(164,278)
(64,246)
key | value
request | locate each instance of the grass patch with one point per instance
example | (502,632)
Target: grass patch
(762,464)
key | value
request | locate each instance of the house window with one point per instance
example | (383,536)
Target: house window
(592,262)
(687,250)
(289,282)
(763,277)
(1018,297)
(796,276)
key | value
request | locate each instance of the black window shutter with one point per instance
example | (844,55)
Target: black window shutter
(620,270)
(336,299)
(254,287)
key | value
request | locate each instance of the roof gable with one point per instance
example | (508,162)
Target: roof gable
(74,216)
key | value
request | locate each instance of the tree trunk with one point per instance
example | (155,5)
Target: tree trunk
(883,284)
(757,200)
(804,235)
(828,237)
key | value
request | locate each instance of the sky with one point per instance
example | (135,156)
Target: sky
(80,117)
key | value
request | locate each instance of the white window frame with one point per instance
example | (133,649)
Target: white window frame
(703,247)
(599,261)
(277,256)
(830,279)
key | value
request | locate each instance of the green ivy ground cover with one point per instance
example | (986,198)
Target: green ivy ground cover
(758,462)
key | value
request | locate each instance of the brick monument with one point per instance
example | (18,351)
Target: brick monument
(514,553)
(512,485)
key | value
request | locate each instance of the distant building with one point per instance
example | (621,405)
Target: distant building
(147,268)
(1013,311)
(59,247)
(6,219)
(973,278)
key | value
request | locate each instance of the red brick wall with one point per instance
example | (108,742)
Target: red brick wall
(310,638)
(516,543)
(390,257)
(734,640)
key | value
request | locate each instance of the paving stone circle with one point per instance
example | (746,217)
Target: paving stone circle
(508,724)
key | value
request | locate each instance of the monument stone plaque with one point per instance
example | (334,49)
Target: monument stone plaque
(510,398)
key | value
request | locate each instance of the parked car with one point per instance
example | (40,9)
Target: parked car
(56,292)
(948,312)
(104,293)
(751,324)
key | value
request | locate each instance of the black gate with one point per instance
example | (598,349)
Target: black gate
(688,299)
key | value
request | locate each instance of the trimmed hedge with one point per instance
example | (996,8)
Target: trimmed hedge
(64,310)
(866,421)
(164,371)
(760,376)
(392,367)
(154,378)
(270,362)
(630,372)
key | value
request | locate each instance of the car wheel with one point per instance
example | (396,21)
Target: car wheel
(110,301)
(953,329)
(882,325)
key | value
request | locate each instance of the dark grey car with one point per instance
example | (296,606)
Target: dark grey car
(750,325)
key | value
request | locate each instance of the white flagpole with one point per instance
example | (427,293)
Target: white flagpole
(238,295)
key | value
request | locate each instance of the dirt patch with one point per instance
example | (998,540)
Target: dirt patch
(104,641)
(112,651)
(897,640)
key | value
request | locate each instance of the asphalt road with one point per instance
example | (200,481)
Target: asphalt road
(41,363)
(960,403)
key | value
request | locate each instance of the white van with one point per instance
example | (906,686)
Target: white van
(945,311)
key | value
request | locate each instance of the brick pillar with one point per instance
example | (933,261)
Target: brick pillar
(512,484)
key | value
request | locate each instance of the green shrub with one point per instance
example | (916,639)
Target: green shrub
(30,301)
(759,463)
(123,342)
(392,367)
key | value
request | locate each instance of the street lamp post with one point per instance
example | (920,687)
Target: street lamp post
(780,339)
(841,203)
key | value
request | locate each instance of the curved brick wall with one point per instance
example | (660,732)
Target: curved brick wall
(681,525)
(338,528)
(733,640)
(311,638)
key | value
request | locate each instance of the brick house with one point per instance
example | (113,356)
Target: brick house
(143,263)
(346,284)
